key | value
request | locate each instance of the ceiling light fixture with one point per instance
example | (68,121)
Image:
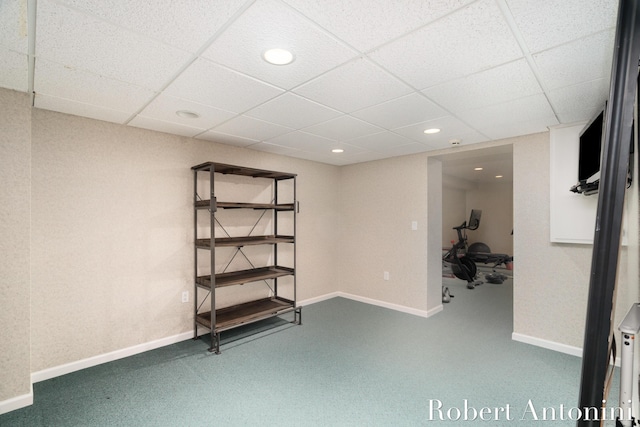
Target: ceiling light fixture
(337,150)
(187,114)
(432,130)
(278,56)
(477,169)
(498,176)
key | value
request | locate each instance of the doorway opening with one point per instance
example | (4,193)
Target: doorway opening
(478,181)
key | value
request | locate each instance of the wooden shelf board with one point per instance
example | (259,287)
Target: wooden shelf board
(205,204)
(241,170)
(244,241)
(244,276)
(229,317)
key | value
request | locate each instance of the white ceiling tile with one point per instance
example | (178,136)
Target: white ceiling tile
(382,141)
(533,110)
(80,41)
(472,39)
(14,72)
(210,84)
(164,108)
(403,111)
(577,62)
(403,150)
(250,128)
(293,111)
(494,161)
(524,127)
(268,24)
(366,24)
(547,23)
(333,159)
(162,126)
(579,102)
(75,108)
(224,138)
(365,156)
(273,149)
(343,128)
(186,24)
(493,86)
(13,25)
(353,86)
(77,85)
(110,59)
(304,141)
(449,126)
(442,142)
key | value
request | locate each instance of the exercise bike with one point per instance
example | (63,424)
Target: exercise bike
(462,266)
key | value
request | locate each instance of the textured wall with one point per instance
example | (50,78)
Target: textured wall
(112,240)
(454,212)
(379,201)
(15,207)
(435,217)
(496,203)
(551,279)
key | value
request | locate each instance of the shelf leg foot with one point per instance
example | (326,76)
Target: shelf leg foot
(297,316)
(215,343)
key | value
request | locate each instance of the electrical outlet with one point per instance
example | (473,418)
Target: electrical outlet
(386,275)
(185,296)
(414,225)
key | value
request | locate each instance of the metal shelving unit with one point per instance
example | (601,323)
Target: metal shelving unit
(211,316)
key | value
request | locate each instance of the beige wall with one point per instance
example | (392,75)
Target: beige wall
(112,244)
(379,201)
(454,212)
(496,203)
(551,280)
(15,207)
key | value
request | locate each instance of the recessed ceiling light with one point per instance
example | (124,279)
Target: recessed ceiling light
(498,176)
(477,169)
(187,114)
(278,56)
(337,150)
(432,130)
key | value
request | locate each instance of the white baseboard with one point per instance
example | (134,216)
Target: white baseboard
(321,298)
(16,402)
(550,345)
(67,368)
(396,307)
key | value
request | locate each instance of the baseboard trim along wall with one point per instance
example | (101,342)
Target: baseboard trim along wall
(16,402)
(396,307)
(550,345)
(67,368)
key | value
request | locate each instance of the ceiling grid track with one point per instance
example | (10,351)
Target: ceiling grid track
(506,12)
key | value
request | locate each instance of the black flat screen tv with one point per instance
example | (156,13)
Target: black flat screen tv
(590,148)
(590,155)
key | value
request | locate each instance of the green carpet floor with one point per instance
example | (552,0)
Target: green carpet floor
(349,364)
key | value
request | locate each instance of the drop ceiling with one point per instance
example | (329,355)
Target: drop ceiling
(368,76)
